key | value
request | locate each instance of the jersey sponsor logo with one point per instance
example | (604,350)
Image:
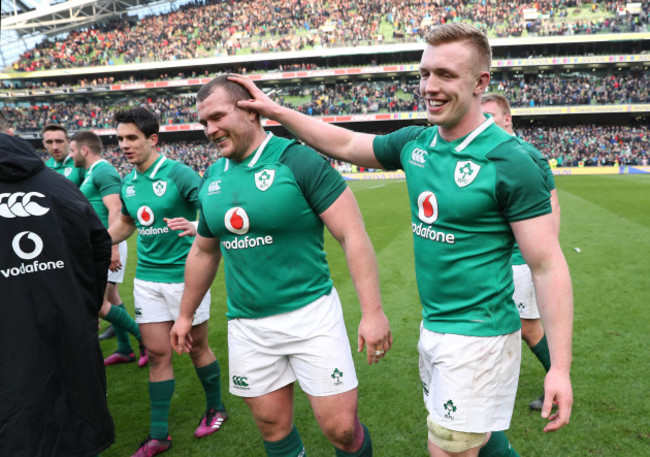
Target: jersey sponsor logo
(34,251)
(466,172)
(159,188)
(67,171)
(417,157)
(427,207)
(264,179)
(428,214)
(247,242)
(145,216)
(236,220)
(214,187)
(153,231)
(28,245)
(20,204)
(429,233)
(130,191)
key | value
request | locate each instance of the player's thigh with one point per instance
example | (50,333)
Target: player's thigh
(273,412)
(469,383)
(155,336)
(335,412)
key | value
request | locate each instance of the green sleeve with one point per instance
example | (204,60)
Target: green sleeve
(520,186)
(203,228)
(319,182)
(187,182)
(388,148)
(107,181)
(541,162)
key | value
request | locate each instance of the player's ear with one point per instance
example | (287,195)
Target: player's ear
(482,82)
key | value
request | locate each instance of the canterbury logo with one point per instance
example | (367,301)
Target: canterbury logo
(20,204)
(240,381)
(417,155)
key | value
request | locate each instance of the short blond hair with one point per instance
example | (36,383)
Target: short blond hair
(499,99)
(458,31)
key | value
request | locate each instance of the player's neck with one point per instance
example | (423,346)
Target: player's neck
(144,166)
(256,142)
(470,122)
(91,160)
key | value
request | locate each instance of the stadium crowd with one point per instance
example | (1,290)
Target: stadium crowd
(351,97)
(579,145)
(208,28)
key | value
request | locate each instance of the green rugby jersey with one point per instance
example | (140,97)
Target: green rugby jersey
(66,168)
(463,195)
(101,179)
(167,189)
(265,213)
(542,163)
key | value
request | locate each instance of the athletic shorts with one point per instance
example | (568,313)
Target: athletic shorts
(118,276)
(161,302)
(309,345)
(469,383)
(524,295)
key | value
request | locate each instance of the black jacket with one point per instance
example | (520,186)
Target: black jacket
(54,256)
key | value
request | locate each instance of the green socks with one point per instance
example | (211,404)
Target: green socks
(541,352)
(364,451)
(210,377)
(123,324)
(160,396)
(289,446)
(497,446)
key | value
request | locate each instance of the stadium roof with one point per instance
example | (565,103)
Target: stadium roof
(26,22)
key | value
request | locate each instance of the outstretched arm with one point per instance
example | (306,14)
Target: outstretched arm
(200,269)
(537,239)
(331,140)
(343,220)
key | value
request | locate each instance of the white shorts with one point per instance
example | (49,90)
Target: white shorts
(309,345)
(118,276)
(161,302)
(469,383)
(524,295)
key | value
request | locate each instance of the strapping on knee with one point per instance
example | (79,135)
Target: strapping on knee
(453,440)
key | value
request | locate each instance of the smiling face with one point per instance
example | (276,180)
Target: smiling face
(451,83)
(57,144)
(234,131)
(137,148)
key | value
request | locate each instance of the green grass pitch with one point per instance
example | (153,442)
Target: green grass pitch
(607,217)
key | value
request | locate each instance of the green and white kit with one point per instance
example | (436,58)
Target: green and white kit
(168,189)
(463,196)
(265,213)
(66,168)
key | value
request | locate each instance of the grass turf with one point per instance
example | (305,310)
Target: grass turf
(607,217)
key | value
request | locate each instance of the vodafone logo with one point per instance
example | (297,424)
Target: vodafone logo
(427,207)
(20,204)
(33,251)
(145,216)
(237,221)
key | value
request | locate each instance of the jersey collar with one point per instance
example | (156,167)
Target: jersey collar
(93,165)
(256,156)
(469,138)
(157,166)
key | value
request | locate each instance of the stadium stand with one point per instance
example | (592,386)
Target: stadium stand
(579,94)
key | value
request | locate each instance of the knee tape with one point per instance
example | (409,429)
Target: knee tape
(452,440)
